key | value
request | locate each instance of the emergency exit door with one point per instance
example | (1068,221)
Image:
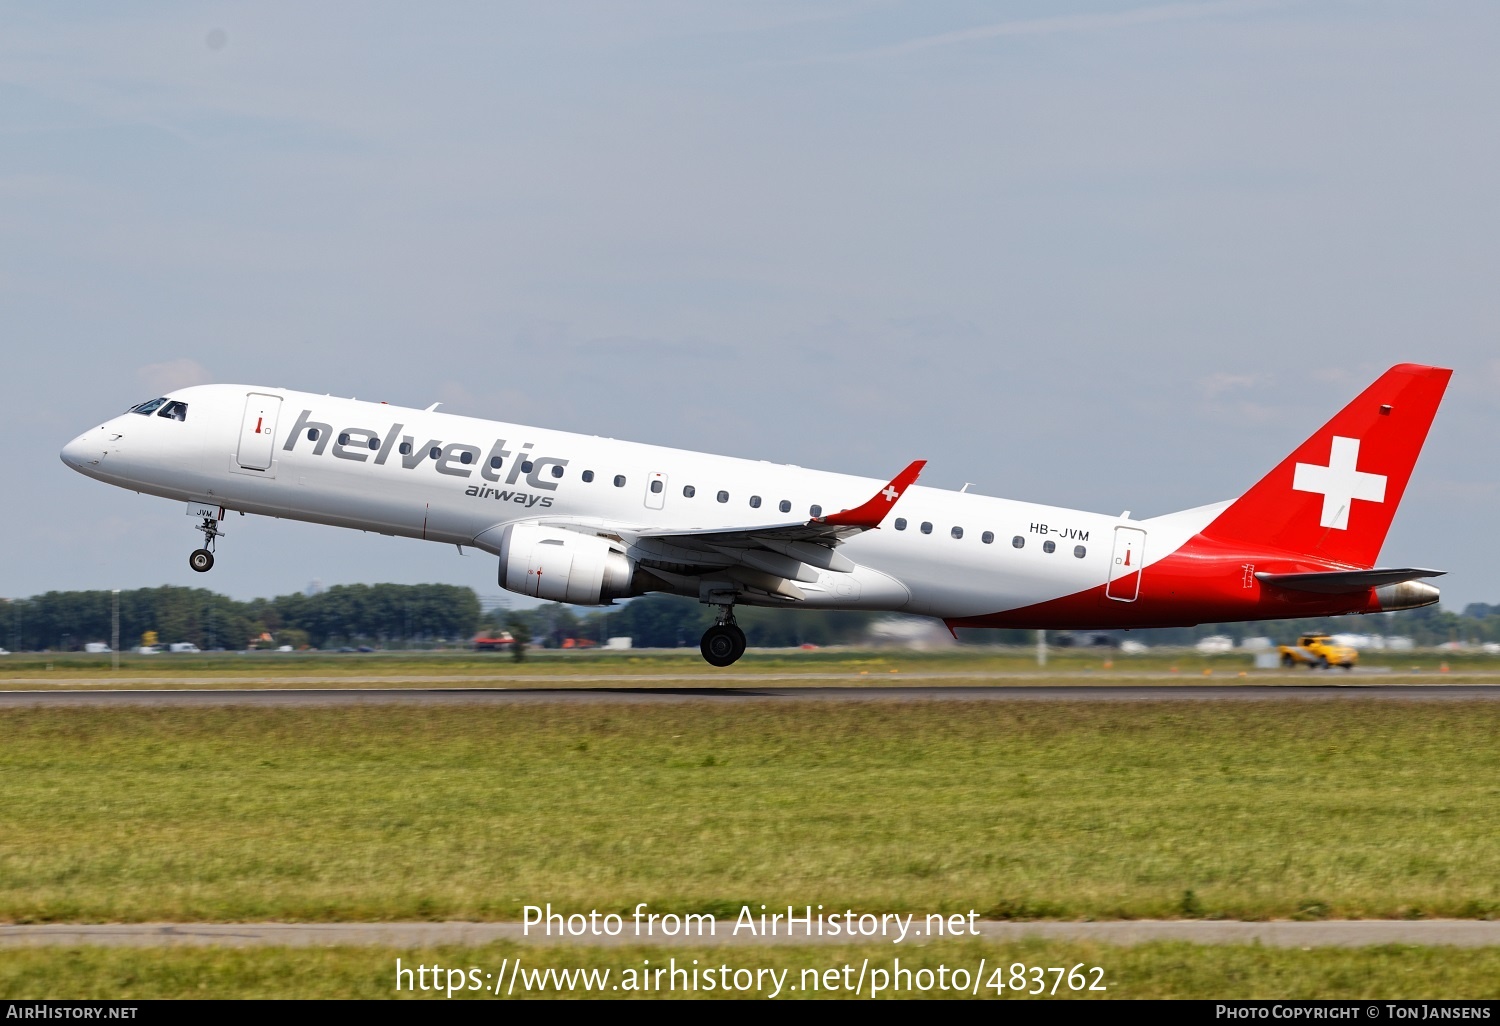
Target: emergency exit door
(656,491)
(258,431)
(1125,564)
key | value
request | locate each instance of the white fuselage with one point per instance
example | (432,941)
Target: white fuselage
(461,480)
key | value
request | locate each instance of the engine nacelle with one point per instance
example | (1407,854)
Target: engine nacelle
(562,566)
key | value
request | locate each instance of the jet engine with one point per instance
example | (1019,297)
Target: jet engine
(563,566)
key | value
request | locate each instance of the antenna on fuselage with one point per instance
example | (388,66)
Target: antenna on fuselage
(433,407)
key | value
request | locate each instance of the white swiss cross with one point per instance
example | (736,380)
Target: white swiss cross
(890,493)
(1339,483)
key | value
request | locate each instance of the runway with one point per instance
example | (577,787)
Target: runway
(659,695)
(1341,934)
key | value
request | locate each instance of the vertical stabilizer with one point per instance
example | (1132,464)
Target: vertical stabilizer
(1335,496)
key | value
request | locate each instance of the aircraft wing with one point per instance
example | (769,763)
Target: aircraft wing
(1336,582)
(770,556)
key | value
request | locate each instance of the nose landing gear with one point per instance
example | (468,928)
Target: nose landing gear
(724,642)
(202,560)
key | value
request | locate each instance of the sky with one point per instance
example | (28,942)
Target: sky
(1104,255)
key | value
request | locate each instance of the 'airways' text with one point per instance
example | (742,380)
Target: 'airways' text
(485,492)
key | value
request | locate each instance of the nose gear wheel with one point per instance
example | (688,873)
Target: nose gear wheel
(202,560)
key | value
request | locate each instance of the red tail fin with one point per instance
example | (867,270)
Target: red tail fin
(1334,497)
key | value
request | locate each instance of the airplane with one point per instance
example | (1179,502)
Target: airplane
(588,520)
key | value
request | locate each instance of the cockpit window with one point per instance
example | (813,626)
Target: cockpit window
(147,408)
(174,411)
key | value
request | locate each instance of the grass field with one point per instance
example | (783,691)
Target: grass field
(1165,970)
(1036,810)
(295,669)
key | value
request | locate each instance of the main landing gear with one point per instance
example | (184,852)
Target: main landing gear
(724,642)
(202,560)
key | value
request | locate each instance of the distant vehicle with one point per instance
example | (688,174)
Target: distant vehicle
(1132,647)
(1318,652)
(1216,644)
(183,646)
(4,651)
(149,650)
(96,648)
(495,643)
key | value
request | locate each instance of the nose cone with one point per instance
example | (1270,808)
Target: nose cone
(86,452)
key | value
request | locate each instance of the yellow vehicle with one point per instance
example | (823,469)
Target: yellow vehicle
(1318,652)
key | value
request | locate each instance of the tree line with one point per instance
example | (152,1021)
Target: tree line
(672,621)
(667,621)
(419,615)
(353,614)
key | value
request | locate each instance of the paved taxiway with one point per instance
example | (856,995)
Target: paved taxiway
(658,695)
(1342,934)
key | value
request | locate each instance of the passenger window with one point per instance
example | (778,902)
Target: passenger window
(344,438)
(656,487)
(619,480)
(588,476)
(174,411)
(1018,542)
(987,537)
(466,457)
(435,452)
(405,448)
(755,502)
(526,466)
(722,496)
(1080,551)
(815,511)
(900,523)
(688,491)
(926,527)
(147,408)
(784,506)
(374,443)
(957,532)
(312,434)
(1049,545)
(495,461)
(557,470)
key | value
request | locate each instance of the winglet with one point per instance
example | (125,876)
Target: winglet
(874,511)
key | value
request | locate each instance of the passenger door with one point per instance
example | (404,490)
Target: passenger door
(1125,564)
(258,431)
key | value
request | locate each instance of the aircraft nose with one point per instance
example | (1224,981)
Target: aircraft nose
(84,451)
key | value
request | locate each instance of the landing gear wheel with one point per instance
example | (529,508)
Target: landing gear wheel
(202,560)
(722,644)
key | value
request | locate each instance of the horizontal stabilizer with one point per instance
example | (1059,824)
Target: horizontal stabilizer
(1336,582)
